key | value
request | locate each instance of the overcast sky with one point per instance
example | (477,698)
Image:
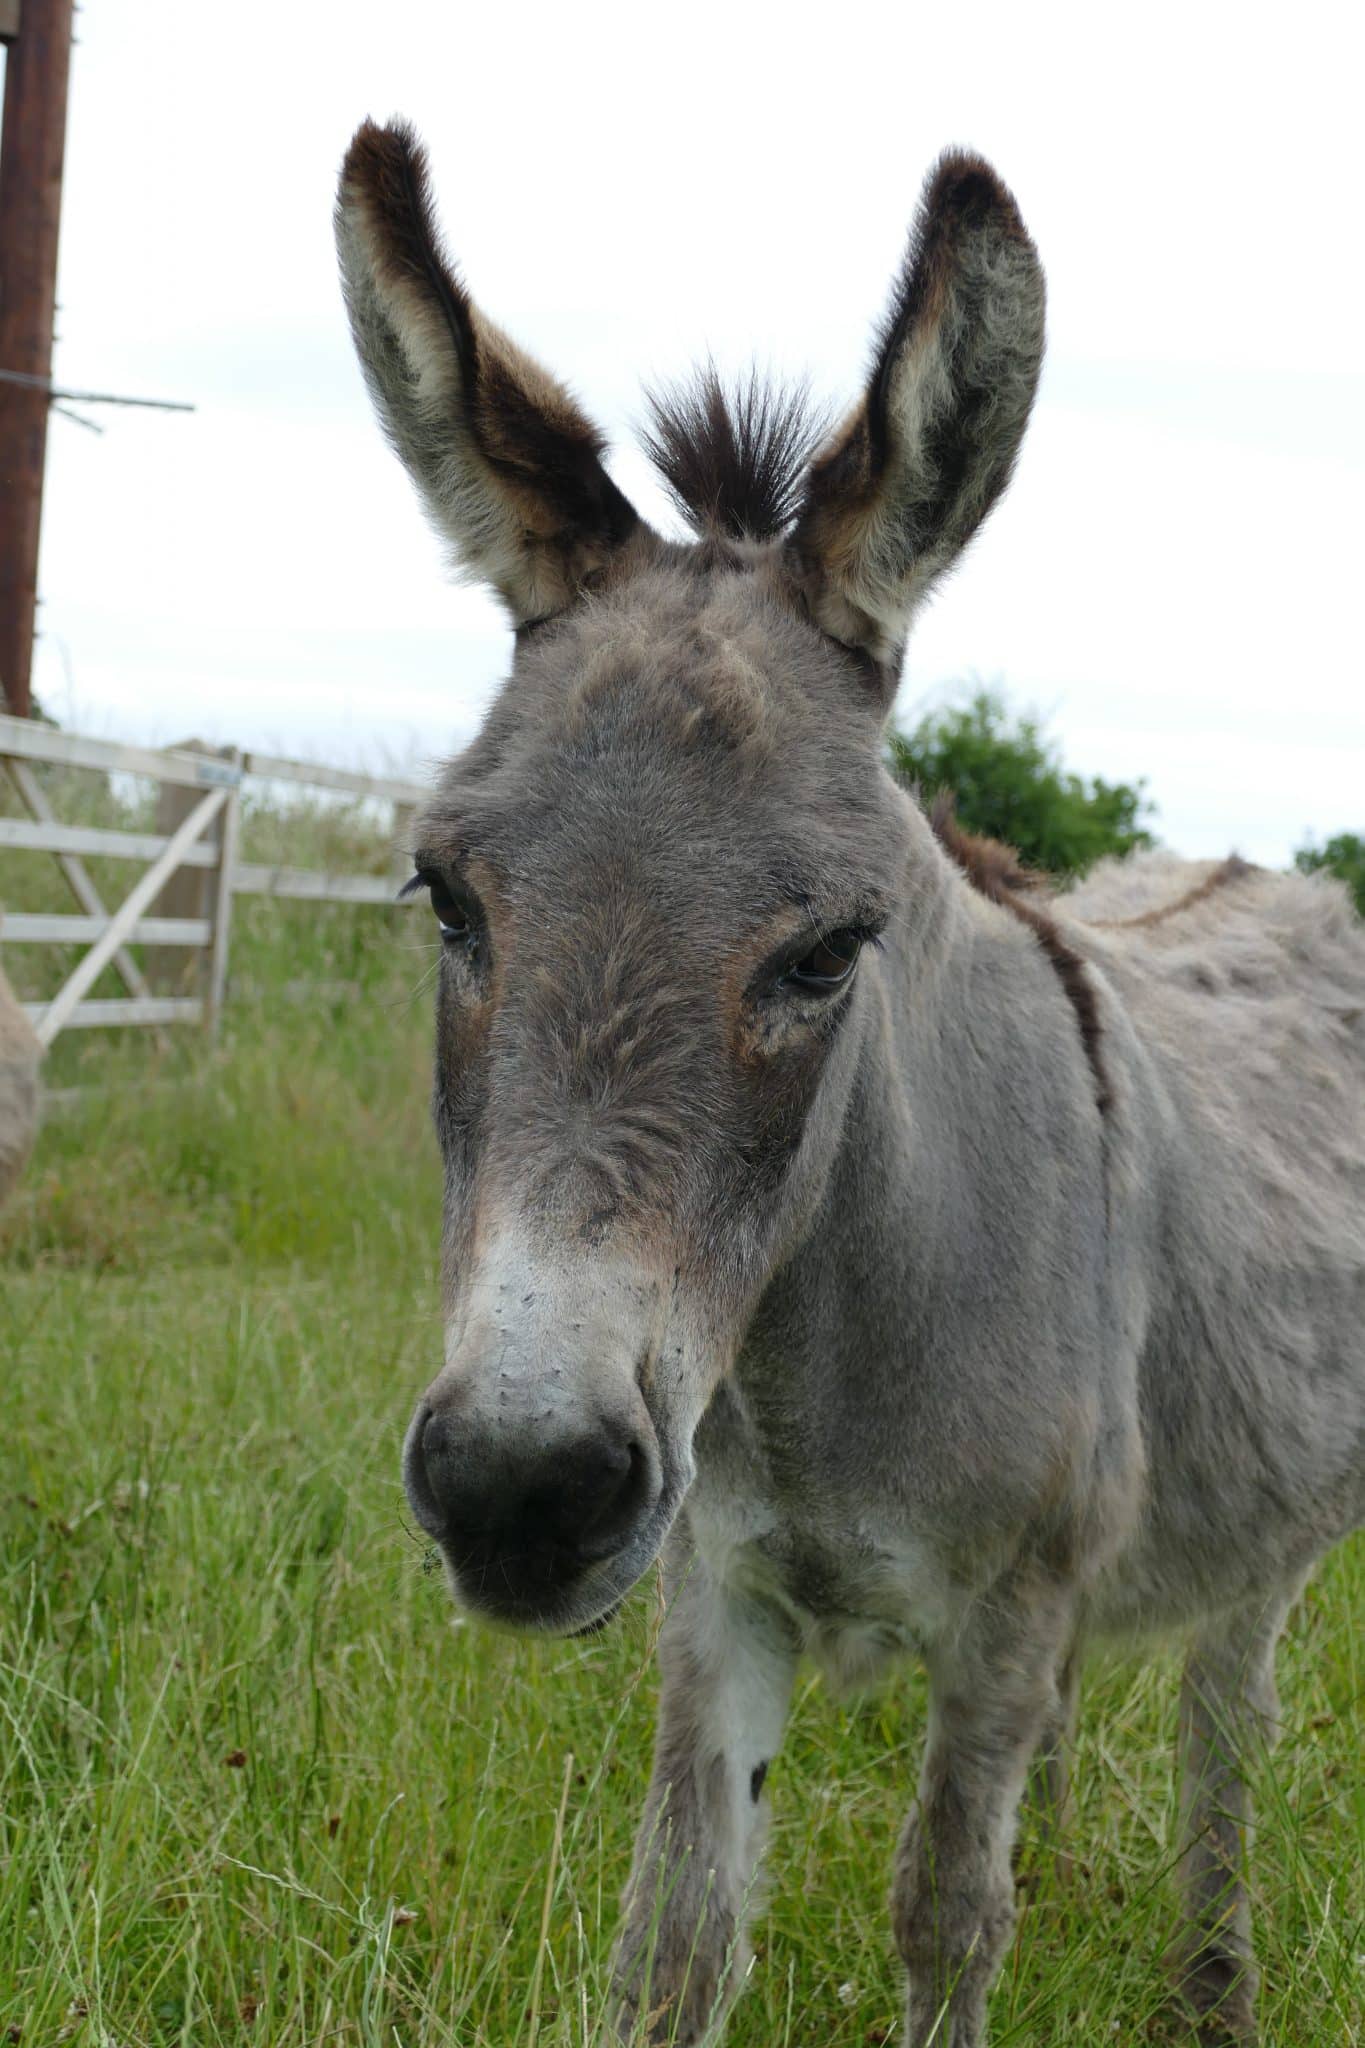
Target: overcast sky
(1174,579)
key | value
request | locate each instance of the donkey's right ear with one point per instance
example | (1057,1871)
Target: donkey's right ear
(508,468)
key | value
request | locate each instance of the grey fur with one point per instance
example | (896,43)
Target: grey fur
(20,1059)
(922,1343)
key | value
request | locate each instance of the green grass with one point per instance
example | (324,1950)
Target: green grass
(257,1785)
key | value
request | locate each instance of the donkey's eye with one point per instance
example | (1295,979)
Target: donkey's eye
(828,964)
(449,916)
(456,920)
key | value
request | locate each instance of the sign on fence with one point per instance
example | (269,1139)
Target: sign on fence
(200,823)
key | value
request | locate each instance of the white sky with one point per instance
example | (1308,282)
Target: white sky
(1174,578)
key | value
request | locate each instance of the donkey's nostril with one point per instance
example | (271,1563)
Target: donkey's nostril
(422,1494)
(622,1485)
(588,1485)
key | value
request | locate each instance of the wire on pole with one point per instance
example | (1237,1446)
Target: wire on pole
(57,392)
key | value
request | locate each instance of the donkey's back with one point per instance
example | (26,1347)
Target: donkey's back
(1245,993)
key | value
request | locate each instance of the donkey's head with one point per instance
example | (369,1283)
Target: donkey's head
(661,871)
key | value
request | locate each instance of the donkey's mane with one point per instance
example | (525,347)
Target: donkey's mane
(996,871)
(991,866)
(734,461)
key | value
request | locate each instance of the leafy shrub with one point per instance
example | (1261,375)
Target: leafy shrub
(1008,782)
(1344,855)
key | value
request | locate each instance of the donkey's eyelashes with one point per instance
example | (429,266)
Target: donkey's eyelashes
(828,964)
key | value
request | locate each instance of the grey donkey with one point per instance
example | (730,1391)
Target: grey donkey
(919,1264)
(20,1059)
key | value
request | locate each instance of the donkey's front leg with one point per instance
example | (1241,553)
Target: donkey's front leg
(726,1669)
(993,1695)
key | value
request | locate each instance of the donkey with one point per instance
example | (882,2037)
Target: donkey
(917,1264)
(20,1058)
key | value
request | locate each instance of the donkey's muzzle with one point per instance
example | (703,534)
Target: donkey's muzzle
(521,1527)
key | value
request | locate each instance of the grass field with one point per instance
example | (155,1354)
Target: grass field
(257,1785)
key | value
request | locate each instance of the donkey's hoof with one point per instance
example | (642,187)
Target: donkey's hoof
(1225,2029)
(1215,1994)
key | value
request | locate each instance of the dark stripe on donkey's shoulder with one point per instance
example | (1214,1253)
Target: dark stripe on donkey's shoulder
(996,871)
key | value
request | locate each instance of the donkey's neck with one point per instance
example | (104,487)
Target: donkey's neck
(919,1370)
(972,1080)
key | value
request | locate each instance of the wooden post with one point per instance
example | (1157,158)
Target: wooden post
(404,826)
(222,905)
(32,147)
(190,892)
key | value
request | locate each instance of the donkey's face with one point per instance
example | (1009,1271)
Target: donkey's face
(660,871)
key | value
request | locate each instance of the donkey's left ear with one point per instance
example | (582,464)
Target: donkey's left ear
(917,465)
(508,468)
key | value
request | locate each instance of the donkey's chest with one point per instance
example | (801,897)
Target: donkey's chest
(859,1596)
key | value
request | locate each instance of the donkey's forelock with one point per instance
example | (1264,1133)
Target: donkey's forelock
(734,461)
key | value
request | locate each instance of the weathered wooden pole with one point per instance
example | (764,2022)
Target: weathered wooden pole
(32,145)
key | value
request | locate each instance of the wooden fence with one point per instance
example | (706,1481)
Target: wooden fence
(199,815)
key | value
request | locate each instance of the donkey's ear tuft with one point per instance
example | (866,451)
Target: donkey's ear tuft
(916,466)
(508,468)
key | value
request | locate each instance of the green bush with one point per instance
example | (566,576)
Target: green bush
(1008,782)
(1344,855)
